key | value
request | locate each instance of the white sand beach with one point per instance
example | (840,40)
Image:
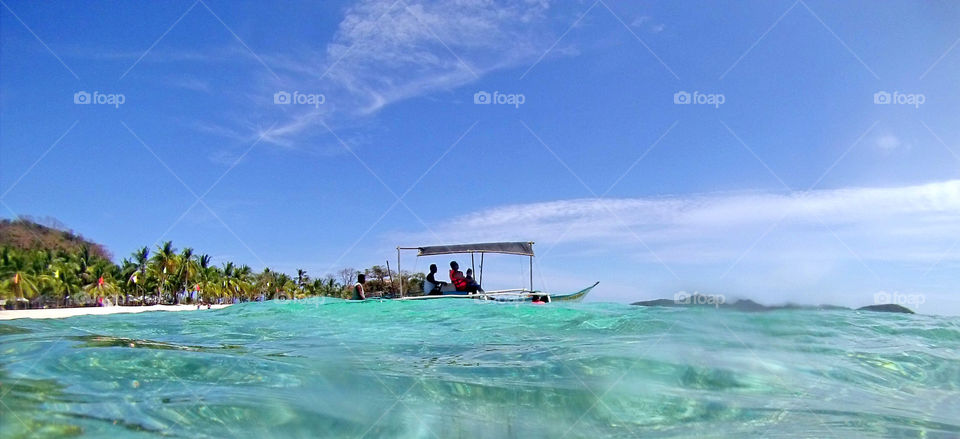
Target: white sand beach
(59,313)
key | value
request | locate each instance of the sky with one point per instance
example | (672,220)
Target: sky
(783,151)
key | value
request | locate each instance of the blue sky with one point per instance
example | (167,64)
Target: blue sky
(794,185)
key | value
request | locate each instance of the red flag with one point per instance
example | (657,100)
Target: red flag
(100,282)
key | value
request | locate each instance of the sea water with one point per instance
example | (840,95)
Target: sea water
(469,369)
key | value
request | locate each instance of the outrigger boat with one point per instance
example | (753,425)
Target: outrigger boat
(510,295)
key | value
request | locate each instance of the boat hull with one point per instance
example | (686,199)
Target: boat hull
(512,297)
(573,297)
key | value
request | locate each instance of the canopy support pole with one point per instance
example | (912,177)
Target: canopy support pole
(473,265)
(399,272)
(480,280)
(531,274)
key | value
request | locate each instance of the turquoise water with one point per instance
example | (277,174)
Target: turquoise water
(450,369)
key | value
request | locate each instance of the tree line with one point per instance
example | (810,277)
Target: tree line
(84,275)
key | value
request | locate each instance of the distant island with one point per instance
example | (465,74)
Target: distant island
(45,265)
(705,300)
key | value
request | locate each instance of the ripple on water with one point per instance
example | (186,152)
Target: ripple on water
(470,369)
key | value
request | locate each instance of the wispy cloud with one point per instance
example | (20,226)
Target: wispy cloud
(222,130)
(646,23)
(282,134)
(889,143)
(190,83)
(913,223)
(156,56)
(386,51)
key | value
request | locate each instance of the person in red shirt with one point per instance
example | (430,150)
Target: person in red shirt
(456,277)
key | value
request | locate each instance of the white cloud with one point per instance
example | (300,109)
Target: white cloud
(189,83)
(888,142)
(386,51)
(281,134)
(646,23)
(641,20)
(913,223)
(220,130)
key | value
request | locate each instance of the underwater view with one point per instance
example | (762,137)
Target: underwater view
(465,369)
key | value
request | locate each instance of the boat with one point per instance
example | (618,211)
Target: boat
(520,248)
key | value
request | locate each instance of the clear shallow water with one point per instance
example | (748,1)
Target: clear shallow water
(464,369)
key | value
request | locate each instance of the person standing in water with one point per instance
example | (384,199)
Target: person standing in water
(358,293)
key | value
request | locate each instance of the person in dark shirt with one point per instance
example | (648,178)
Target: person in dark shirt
(472,285)
(358,293)
(437,284)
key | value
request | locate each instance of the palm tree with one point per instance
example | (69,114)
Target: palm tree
(243,278)
(236,281)
(17,280)
(187,268)
(64,279)
(283,286)
(203,271)
(85,260)
(164,264)
(142,258)
(103,284)
(126,278)
(302,280)
(264,281)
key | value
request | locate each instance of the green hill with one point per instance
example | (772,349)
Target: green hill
(27,234)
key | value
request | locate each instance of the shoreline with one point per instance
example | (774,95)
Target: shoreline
(62,313)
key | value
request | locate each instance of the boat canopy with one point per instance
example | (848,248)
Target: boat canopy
(509,248)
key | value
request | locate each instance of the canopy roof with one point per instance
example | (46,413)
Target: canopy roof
(509,248)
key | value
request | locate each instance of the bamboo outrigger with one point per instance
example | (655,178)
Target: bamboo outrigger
(510,295)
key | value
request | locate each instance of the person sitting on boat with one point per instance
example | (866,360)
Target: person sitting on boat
(432,286)
(457,277)
(472,285)
(358,293)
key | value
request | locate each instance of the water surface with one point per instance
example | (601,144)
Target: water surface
(452,369)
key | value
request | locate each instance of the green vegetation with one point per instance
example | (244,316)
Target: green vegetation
(44,266)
